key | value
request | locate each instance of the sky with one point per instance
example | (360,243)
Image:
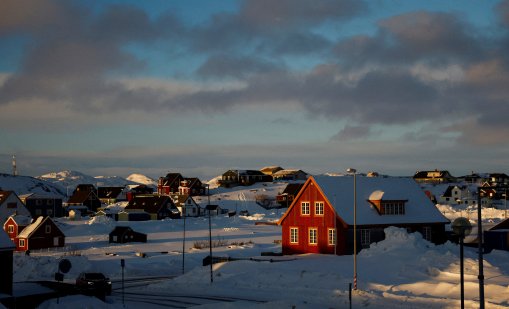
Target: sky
(199,87)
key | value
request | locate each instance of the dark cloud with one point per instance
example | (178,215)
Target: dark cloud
(503,11)
(431,37)
(352,133)
(233,66)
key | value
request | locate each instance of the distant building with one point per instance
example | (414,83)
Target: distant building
(111,195)
(191,186)
(271,170)
(289,193)
(84,195)
(15,224)
(435,176)
(169,184)
(43,205)
(184,201)
(290,175)
(158,206)
(232,178)
(125,234)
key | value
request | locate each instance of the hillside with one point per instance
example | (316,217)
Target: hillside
(26,184)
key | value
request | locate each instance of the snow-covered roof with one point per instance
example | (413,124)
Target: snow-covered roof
(21,220)
(5,241)
(31,228)
(339,192)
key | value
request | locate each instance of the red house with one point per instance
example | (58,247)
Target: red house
(321,217)
(15,224)
(169,184)
(41,234)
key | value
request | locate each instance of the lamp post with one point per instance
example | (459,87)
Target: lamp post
(184,240)
(461,227)
(210,234)
(354,172)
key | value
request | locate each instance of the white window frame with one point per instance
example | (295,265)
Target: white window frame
(365,238)
(10,228)
(47,229)
(319,208)
(313,236)
(426,233)
(21,242)
(294,235)
(305,208)
(331,237)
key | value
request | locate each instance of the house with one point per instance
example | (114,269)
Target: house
(124,234)
(473,178)
(498,179)
(497,237)
(212,210)
(290,175)
(6,260)
(191,186)
(271,170)
(15,224)
(41,234)
(158,206)
(43,205)
(289,193)
(435,176)
(138,190)
(232,178)
(184,201)
(11,204)
(461,195)
(84,195)
(169,184)
(321,217)
(111,195)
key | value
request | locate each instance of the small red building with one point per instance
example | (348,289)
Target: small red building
(321,217)
(15,224)
(41,234)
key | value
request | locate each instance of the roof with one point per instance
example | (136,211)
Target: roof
(120,229)
(32,227)
(288,172)
(109,192)
(339,193)
(432,174)
(5,242)
(170,178)
(270,169)
(21,220)
(293,188)
(504,224)
(179,199)
(149,203)
(4,195)
(79,197)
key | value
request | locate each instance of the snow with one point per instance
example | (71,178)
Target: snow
(403,271)
(5,241)
(26,184)
(29,229)
(142,179)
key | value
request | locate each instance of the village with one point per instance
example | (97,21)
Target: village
(321,214)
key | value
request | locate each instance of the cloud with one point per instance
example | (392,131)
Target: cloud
(352,133)
(235,67)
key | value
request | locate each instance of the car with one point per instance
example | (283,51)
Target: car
(96,283)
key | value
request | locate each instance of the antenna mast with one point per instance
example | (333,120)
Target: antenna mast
(14,169)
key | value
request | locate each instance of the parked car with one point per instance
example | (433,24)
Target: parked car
(94,283)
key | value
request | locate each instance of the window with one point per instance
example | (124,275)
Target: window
(294,235)
(427,233)
(47,228)
(38,202)
(10,228)
(304,208)
(313,236)
(332,237)
(393,208)
(38,212)
(49,212)
(21,242)
(319,208)
(365,238)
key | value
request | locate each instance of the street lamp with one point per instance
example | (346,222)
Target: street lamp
(461,227)
(210,234)
(184,238)
(354,172)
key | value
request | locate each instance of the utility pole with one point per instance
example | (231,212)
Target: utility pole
(14,168)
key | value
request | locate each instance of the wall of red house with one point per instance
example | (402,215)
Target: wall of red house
(322,222)
(6,228)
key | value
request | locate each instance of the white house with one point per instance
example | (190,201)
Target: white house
(11,204)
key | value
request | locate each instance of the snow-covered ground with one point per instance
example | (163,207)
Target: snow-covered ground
(403,271)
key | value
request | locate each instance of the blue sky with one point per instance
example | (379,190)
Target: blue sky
(198,87)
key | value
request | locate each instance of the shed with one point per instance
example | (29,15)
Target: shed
(124,234)
(41,234)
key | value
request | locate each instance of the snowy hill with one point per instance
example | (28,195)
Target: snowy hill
(26,184)
(70,179)
(139,178)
